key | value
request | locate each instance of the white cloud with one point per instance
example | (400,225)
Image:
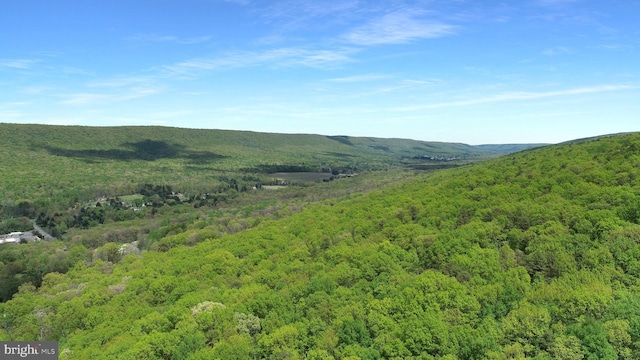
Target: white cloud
(121,82)
(520,95)
(406,85)
(70,70)
(358,78)
(170,39)
(18,63)
(195,40)
(398,28)
(106,98)
(554,3)
(282,57)
(8,115)
(11,111)
(317,58)
(299,13)
(50,54)
(616,47)
(239,2)
(83,98)
(558,50)
(170,114)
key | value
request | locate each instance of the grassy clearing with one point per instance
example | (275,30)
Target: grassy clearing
(301,177)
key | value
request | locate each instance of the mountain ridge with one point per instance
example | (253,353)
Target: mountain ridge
(152,154)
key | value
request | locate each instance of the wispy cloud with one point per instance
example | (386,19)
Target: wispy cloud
(555,12)
(14,104)
(170,39)
(83,98)
(520,95)
(558,50)
(35,90)
(282,57)
(27,64)
(555,3)
(49,54)
(18,63)
(89,98)
(293,14)
(122,82)
(9,115)
(170,114)
(358,78)
(10,111)
(398,28)
(406,85)
(70,70)
(239,2)
(616,47)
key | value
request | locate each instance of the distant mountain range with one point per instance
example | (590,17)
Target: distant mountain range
(507,148)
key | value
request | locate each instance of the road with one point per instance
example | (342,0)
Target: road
(42,232)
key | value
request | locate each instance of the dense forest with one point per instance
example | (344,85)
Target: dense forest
(90,186)
(66,164)
(57,174)
(532,255)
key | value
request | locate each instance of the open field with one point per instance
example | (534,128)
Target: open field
(301,177)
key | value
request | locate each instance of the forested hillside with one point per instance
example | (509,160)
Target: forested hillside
(532,255)
(52,173)
(63,163)
(98,186)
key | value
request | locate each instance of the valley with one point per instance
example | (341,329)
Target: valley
(526,255)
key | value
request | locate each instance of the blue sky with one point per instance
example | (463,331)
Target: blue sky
(459,71)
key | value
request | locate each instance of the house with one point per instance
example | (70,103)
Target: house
(16,237)
(9,240)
